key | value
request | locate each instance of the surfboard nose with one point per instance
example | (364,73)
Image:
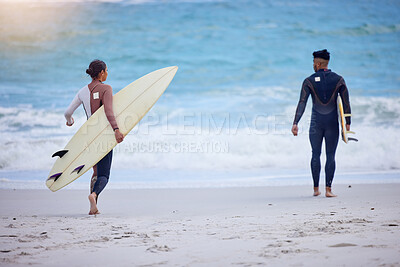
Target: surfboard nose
(169,72)
(175,69)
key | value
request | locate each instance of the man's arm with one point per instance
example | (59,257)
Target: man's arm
(344,94)
(301,106)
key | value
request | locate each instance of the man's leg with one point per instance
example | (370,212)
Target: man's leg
(331,142)
(316,136)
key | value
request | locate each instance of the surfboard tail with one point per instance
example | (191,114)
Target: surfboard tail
(60,153)
(347,139)
(78,169)
(54,177)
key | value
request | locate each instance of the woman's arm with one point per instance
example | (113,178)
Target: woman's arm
(108,109)
(76,102)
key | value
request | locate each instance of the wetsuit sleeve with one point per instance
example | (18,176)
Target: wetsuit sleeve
(108,107)
(301,106)
(344,94)
(76,102)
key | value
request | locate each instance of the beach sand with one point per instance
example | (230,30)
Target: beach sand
(254,226)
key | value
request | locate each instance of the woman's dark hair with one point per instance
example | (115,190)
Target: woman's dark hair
(95,67)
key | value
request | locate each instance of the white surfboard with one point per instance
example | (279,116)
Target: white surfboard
(343,116)
(96,138)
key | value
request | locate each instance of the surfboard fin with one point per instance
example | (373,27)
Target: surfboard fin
(55,176)
(78,169)
(352,139)
(60,153)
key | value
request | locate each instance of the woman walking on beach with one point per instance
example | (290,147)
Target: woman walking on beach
(93,96)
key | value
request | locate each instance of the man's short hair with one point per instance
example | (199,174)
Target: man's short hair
(324,54)
(324,62)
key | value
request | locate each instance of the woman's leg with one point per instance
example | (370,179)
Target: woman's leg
(93,179)
(103,173)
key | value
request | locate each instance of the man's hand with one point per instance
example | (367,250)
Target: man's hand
(347,127)
(295,129)
(118,136)
(72,119)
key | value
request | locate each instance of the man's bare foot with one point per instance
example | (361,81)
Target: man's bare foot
(316,192)
(93,207)
(328,192)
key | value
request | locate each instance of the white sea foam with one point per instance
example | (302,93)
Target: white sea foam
(190,140)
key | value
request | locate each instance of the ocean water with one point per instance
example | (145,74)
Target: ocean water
(225,119)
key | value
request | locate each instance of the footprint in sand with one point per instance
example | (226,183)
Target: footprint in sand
(156,248)
(390,224)
(342,245)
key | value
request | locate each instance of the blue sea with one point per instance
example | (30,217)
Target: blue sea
(225,120)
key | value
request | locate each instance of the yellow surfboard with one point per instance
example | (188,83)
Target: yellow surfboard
(96,138)
(343,116)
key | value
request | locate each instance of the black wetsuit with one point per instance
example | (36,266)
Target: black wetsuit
(324,87)
(103,173)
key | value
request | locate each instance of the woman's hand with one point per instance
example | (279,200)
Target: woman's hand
(72,119)
(295,129)
(118,136)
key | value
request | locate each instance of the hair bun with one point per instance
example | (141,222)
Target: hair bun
(95,67)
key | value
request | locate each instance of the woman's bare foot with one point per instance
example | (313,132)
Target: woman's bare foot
(328,192)
(93,207)
(95,213)
(316,192)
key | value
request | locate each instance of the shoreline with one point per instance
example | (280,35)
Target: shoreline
(171,179)
(250,226)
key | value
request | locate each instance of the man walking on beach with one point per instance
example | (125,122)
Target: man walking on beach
(324,87)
